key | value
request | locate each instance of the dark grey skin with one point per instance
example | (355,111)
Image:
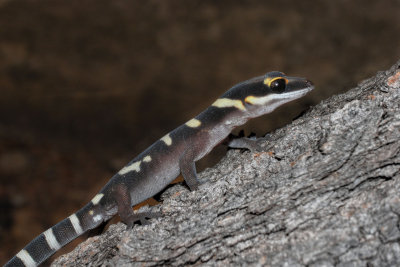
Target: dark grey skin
(152,170)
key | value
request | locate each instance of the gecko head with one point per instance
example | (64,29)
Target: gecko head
(263,94)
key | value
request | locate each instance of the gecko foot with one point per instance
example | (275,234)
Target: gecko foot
(251,143)
(196,185)
(245,142)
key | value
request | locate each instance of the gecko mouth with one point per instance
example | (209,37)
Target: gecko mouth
(295,94)
(264,100)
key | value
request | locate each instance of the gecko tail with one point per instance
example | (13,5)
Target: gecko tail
(50,241)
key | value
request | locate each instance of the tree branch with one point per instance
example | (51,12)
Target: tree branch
(324,190)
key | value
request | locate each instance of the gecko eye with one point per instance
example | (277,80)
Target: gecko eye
(278,85)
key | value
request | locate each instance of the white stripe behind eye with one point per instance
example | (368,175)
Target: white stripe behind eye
(51,239)
(24,256)
(76,224)
(254,100)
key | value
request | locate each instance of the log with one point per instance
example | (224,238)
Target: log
(322,191)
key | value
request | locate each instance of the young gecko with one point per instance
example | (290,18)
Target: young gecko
(153,169)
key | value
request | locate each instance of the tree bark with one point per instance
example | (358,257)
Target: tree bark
(322,191)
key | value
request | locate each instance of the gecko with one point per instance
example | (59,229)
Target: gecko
(173,154)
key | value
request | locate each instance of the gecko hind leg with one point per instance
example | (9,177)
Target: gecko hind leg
(125,211)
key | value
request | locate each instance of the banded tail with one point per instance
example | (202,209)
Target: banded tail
(54,238)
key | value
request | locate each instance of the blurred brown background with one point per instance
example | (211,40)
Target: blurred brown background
(87,85)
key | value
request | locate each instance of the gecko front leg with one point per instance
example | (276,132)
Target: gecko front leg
(188,169)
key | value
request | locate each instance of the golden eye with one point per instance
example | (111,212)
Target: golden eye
(278,85)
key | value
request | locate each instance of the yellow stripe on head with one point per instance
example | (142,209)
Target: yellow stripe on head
(269,80)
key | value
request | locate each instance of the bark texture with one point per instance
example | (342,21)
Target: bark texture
(322,191)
